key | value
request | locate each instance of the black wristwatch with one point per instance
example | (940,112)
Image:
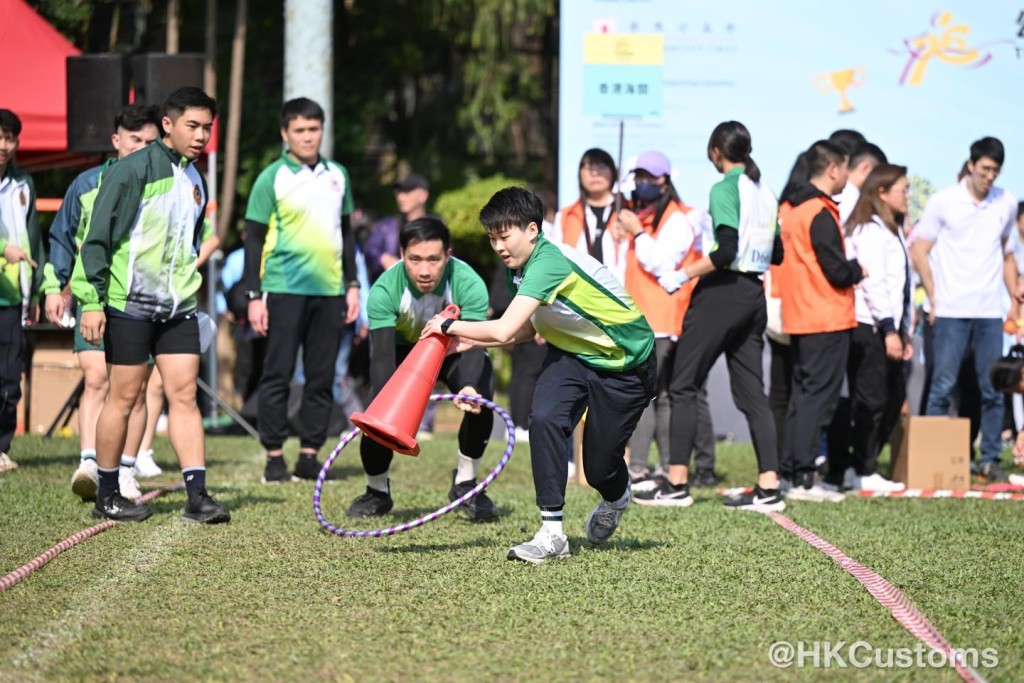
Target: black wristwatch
(252,295)
(445,325)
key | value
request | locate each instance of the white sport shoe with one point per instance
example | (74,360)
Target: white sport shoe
(816,494)
(544,546)
(6,464)
(1016,479)
(876,482)
(126,481)
(604,519)
(144,465)
(85,480)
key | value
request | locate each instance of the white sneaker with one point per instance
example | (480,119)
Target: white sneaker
(572,470)
(161,424)
(145,467)
(544,546)
(129,487)
(876,482)
(6,464)
(522,435)
(1016,479)
(815,494)
(85,480)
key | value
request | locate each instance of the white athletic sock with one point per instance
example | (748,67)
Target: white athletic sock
(552,521)
(379,482)
(88,454)
(466,469)
(127,462)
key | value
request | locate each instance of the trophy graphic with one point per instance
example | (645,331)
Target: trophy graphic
(839,81)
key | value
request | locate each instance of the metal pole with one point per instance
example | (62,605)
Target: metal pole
(309,58)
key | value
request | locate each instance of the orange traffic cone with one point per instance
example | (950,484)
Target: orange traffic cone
(394,415)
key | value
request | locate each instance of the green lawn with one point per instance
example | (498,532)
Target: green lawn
(697,594)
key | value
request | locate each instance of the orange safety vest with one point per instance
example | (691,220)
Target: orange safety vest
(810,304)
(664,311)
(574,222)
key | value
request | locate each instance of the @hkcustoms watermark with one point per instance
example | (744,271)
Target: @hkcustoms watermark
(860,654)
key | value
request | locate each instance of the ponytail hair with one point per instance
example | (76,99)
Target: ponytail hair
(732,139)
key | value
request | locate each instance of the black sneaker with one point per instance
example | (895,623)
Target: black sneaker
(204,509)
(276,471)
(309,468)
(758,500)
(480,508)
(664,494)
(116,506)
(993,473)
(705,479)
(373,503)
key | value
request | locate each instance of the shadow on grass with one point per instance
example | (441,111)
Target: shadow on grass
(435,547)
(229,498)
(617,544)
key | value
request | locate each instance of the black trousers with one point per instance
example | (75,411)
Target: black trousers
(877,392)
(475,430)
(613,401)
(779,389)
(527,360)
(12,362)
(656,421)
(727,315)
(819,363)
(315,323)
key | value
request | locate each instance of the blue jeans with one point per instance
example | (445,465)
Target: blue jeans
(984,336)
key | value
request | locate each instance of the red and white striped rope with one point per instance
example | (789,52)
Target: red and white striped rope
(886,594)
(941,493)
(22,572)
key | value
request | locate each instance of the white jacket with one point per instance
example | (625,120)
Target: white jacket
(880,296)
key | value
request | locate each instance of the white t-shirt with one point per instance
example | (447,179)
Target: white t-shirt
(970,239)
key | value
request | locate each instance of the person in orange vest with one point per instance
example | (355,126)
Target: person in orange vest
(815,283)
(594,210)
(662,234)
(727,315)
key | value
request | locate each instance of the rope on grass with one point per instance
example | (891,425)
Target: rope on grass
(887,595)
(22,572)
(1015,494)
(419,521)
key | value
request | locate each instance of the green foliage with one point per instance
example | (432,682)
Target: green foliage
(461,210)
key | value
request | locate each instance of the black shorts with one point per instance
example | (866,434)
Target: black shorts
(131,342)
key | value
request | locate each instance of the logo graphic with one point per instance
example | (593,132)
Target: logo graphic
(197,195)
(946,42)
(840,81)
(24,199)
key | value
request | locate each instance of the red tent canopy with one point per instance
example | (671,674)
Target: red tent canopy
(33,54)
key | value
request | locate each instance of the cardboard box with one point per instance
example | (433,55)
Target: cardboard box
(932,453)
(54,376)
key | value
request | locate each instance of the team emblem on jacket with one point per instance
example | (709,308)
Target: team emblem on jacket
(335,185)
(24,199)
(197,193)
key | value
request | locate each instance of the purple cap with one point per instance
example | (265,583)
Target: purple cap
(655,163)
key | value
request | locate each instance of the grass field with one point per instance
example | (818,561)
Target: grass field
(697,594)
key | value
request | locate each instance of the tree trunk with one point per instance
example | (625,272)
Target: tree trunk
(231,142)
(173,16)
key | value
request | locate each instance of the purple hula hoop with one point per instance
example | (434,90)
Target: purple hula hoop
(419,521)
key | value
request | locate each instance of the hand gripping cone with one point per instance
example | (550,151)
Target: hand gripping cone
(394,416)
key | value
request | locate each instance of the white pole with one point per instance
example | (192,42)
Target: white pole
(309,58)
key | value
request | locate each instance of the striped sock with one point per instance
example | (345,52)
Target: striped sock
(552,521)
(88,454)
(379,482)
(128,462)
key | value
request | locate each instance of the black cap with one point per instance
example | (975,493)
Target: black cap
(412,181)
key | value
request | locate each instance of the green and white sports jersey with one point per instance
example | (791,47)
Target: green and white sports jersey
(139,252)
(395,302)
(302,209)
(751,208)
(19,226)
(585,311)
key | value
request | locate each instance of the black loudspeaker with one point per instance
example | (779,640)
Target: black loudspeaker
(97,89)
(155,76)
